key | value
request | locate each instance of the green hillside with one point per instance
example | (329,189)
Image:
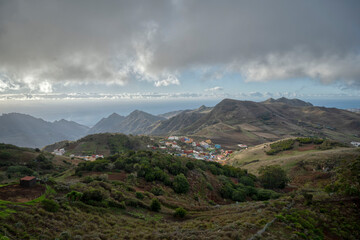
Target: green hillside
(102,143)
(138,194)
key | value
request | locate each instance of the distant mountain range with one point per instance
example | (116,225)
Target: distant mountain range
(230,122)
(26,131)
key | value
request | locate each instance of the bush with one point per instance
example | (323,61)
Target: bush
(139,195)
(190,165)
(157,191)
(87,179)
(74,196)
(180,213)
(155,205)
(247,181)
(19,170)
(281,146)
(50,205)
(181,184)
(116,204)
(92,195)
(119,196)
(227,191)
(238,195)
(273,177)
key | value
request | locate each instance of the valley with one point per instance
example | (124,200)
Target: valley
(142,193)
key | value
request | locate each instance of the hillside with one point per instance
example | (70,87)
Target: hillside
(144,194)
(255,157)
(107,124)
(231,122)
(101,144)
(135,123)
(171,114)
(27,131)
(178,122)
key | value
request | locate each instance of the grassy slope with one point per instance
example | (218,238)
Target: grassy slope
(334,216)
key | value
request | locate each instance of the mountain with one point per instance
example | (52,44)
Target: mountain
(107,124)
(232,121)
(178,122)
(27,131)
(135,123)
(290,102)
(171,114)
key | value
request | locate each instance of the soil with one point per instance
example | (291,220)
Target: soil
(121,176)
(16,193)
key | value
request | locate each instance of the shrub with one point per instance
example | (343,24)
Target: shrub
(116,204)
(92,195)
(190,165)
(247,181)
(139,195)
(87,179)
(119,196)
(155,205)
(181,184)
(50,205)
(280,146)
(157,191)
(132,202)
(273,177)
(238,195)
(74,196)
(227,190)
(180,212)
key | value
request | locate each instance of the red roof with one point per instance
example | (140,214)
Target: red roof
(27,178)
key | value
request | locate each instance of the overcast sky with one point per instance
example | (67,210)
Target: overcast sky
(52,49)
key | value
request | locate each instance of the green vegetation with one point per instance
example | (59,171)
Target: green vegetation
(347,179)
(148,194)
(155,205)
(181,184)
(280,146)
(308,140)
(50,205)
(180,213)
(273,177)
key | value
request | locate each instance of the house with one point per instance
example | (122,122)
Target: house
(28,181)
(59,152)
(355,144)
(217,146)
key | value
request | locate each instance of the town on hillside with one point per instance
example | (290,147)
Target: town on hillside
(186,147)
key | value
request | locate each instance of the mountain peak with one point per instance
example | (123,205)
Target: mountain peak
(291,102)
(114,115)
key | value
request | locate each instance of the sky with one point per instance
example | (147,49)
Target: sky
(64,56)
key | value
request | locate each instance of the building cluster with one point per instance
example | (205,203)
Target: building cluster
(187,147)
(93,157)
(88,157)
(59,152)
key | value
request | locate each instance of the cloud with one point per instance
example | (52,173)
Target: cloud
(217,88)
(43,43)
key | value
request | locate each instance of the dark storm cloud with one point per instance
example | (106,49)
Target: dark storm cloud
(42,42)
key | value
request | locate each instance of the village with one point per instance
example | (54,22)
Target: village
(178,146)
(186,147)
(93,157)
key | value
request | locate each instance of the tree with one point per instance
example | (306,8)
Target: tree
(273,177)
(180,212)
(181,184)
(155,205)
